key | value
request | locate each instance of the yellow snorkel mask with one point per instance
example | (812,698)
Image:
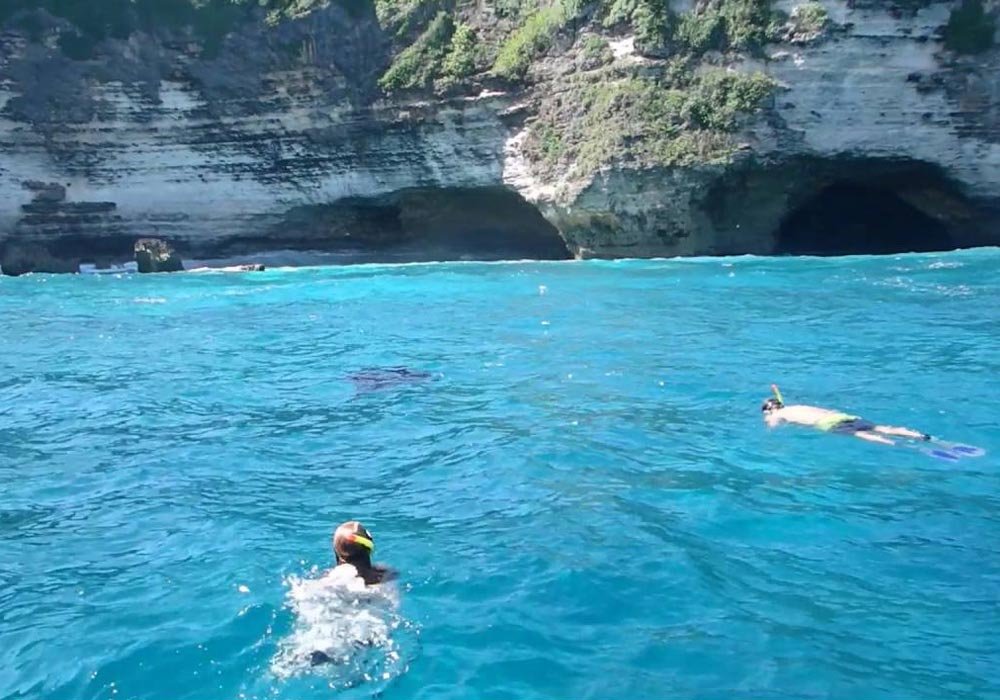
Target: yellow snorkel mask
(363,541)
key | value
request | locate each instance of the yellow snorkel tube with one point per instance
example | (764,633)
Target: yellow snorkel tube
(777,394)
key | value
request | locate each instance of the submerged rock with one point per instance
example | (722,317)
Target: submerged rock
(154,255)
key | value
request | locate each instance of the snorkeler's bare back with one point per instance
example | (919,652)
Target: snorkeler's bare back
(805,415)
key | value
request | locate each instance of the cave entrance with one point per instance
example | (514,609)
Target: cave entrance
(416,224)
(847,217)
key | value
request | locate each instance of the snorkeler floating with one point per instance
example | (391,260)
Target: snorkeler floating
(776,413)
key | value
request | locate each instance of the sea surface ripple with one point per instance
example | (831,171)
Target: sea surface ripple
(581,498)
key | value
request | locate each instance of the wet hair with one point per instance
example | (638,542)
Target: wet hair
(770,405)
(351,546)
(348,549)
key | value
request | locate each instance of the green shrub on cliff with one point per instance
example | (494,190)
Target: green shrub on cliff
(746,23)
(515,9)
(654,26)
(714,25)
(717,99)
(418,65)
(809,18)
(678,119)
(777,25)
(721,25)
(618,12)
(461,59)
(635,121)
(551,144)
(406,19)
(651,20)
(970,28)
(532,38)
(699,32)
(596,49)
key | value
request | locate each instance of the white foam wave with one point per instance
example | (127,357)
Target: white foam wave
(351,626)
(150,300)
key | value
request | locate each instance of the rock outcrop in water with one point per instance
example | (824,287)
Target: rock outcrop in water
(154,255)
(859,126)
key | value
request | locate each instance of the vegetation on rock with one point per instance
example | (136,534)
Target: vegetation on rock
(596,51)
(726,25)
(809,18)
(533,37)
(676,114)
(673,108)
(404,18)
(715,25)
(420,63)
(654,25)
(619,12)
(679,118)
(461,59)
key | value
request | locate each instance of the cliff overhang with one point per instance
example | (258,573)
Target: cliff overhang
(852,127)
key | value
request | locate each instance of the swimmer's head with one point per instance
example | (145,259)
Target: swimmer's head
(353,544)
(771,404)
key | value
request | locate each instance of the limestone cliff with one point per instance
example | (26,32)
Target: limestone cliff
(876,116)
(307,133)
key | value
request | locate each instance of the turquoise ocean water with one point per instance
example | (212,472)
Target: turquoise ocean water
(582,501)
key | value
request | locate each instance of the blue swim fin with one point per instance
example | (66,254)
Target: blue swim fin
(967,450)
(959,449)
(941,454)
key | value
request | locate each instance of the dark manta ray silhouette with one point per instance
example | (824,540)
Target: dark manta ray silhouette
(376,378)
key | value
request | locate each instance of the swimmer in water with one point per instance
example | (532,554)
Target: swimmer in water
(353,546)
(776,413)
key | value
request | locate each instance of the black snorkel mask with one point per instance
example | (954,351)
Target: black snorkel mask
(771,404)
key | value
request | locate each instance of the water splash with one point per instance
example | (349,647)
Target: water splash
(342,629)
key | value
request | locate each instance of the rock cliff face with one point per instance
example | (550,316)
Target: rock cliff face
(876,138)
(897,112)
